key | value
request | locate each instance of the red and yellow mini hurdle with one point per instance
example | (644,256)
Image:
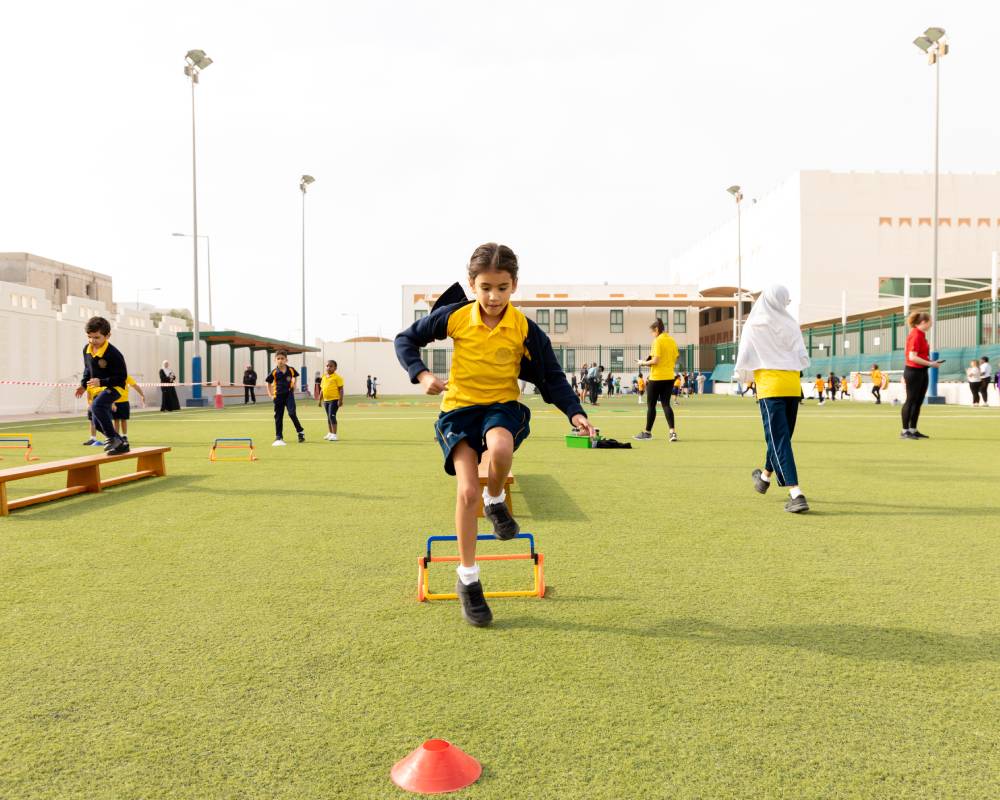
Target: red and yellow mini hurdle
(239,443)
(538,568)
(18,441)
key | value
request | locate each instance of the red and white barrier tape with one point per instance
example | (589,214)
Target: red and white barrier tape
(50,384)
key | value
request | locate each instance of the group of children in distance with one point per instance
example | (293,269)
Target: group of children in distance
(107,383)
(281,390)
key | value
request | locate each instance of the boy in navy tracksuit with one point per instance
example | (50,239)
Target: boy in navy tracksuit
(104,367)
(281,387)
(496,345)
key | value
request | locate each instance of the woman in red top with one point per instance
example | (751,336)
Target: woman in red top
(918,354)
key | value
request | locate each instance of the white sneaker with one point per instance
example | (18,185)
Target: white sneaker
(333,437)
(327,437)
(279,443)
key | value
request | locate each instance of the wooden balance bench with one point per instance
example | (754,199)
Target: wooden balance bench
(83,474)
(484,473)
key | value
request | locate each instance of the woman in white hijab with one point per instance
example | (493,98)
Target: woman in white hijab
(772,354)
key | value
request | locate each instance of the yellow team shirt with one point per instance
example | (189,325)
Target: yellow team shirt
(642,385)
(876,377)
(123,390)
(330,386)
(777,383)
(485,363)
(665,349)
(820,385)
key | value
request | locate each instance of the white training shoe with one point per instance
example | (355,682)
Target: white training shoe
(279,443)
(327,437)
(333,437)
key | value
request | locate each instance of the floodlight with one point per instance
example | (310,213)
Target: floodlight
(934,33)
(733,190)
(198,58)
(923,43)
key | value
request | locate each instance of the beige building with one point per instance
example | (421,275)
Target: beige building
(59,281)
(608,323)
(846,242)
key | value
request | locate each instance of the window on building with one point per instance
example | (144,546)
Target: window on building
(680,320)
(440,362)
(718,315)
(562,320)
(542,318)
(663,315)
(617,359)
(419,313)
(57,284)
(617,320)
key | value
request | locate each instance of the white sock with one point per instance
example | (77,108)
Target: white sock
(765,478)
(489,500)
(468,575)
(795,492)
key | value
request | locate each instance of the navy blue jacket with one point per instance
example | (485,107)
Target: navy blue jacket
(110,368)
(542,369)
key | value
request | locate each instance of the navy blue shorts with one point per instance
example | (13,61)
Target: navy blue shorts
(121,411)
(472,422)
(331,407)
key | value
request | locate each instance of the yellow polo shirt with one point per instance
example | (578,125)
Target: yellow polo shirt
(485,363)
(777,383)
(876,377)
(123,391)
(330,386)
(665,349)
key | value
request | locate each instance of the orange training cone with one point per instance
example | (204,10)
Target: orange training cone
(436,766)
(218,395)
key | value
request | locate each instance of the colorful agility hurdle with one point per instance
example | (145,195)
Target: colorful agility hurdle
(538,568)
(18,441)
(235,443)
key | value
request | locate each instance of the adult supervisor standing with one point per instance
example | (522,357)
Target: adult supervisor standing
(660,385)
(249,382)
(168,394)
(918,353)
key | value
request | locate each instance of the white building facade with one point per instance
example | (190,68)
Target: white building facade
(846,241)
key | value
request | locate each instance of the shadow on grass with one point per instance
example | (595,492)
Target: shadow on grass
(859,642)
(72,507)
(547,500)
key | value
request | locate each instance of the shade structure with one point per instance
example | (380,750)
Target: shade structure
(435,767)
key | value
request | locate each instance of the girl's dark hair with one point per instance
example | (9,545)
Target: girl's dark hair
(657,325)
(98,325)
(917,317)
(492,257)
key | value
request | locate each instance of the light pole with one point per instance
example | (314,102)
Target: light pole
(196,62)
(738,318)
(208,253)
(357,333)
(304,182)
(932,42)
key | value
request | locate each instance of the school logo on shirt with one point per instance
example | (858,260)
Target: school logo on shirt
(102,363)
(504,355)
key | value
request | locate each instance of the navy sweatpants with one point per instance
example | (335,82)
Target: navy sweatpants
(101,408)
(282,402)
(778,415)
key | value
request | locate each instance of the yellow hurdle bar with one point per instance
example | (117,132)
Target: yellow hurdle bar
(538,574)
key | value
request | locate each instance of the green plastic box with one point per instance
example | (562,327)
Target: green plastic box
(583,442)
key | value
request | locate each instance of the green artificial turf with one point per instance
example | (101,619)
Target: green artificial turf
(240,630)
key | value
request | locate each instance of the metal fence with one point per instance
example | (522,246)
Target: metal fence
(964,331)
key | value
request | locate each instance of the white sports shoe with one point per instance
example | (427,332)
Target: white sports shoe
(327,437)
(279,443)
(333,437)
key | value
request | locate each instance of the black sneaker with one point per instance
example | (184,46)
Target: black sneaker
(504,525)
(906,435)
(302,436)
(643,435)
(759,484)
(797,504)
(473,601)
(117,448)
(919,435)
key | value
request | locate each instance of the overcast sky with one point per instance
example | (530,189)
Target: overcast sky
(595,138)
